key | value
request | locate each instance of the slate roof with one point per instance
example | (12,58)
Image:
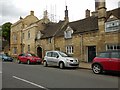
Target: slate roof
(85,25)
(51,29)
(115,12)
(80,26)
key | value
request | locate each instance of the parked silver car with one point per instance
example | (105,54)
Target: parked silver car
(58,58)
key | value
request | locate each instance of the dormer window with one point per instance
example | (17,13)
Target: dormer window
(112,26)
(38,35)
(49,40)
(68,33)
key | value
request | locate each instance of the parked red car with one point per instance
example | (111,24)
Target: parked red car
(28,58)
(106,61)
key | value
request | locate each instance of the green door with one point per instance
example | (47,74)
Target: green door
(91,53)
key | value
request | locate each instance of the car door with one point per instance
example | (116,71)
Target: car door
(26,57)
(115,61)
(104,60)
(48,58)
(22,57)
(55,58)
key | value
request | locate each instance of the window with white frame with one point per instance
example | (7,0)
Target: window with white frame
(14,37)
(28,34)
(112,26)
(28,48)
(69,49)
(38,35)
(68,33)
(49,40)
(112,47)
(15,50)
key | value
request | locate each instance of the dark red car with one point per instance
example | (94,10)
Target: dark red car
(28,58)
(106,61)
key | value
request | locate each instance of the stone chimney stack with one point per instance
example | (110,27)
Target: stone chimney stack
(102,9)
(32,13)
(87,13)
(119,4)
(45,14)
(45,17)
(96,5)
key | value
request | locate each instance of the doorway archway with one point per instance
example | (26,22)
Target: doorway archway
(39,52)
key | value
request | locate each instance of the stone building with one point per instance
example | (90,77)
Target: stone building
(82,38)
(17,33)
(25,32)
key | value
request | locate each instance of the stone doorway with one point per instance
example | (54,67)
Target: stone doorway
(39,52)
(91,53)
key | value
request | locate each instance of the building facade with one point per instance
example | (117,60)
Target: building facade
(83,38)
(25,32)
(17,43)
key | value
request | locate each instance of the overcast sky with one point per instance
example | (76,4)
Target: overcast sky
(11,10)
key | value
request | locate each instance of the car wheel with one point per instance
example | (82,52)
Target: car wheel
(97,69)
(28,62)
(3,59)
(18,61)
(45,64)
(61,65)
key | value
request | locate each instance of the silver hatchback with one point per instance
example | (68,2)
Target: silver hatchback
(58,58)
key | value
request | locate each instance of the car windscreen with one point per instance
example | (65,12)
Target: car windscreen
(30,54)
(63,54)
(115,55)
(103,55)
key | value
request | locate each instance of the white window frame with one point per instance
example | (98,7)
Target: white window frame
(112,26)
(68,33)
(38,35)
(69,49)
(49,40)
(112,47)
(14,38)
(15,50)
(28,34)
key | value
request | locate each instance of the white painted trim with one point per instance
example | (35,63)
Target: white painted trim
(86,53)
(30,82)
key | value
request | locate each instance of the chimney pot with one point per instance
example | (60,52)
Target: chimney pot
(87,13)
(31,12)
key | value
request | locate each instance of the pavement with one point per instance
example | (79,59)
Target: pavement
(85,65)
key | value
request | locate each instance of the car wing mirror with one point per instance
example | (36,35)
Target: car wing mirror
(57,56)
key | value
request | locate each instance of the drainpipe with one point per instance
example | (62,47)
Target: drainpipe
(21,42)
(81,44)
(53,43)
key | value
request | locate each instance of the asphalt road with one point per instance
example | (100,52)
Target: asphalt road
(36,76)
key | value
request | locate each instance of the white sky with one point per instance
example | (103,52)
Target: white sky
(11,10)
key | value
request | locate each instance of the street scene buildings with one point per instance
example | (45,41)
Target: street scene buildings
(83,38)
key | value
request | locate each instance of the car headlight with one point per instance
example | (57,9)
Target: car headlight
(71,60)
(68,60)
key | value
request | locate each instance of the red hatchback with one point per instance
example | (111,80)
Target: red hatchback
(106,61)
(28,58)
